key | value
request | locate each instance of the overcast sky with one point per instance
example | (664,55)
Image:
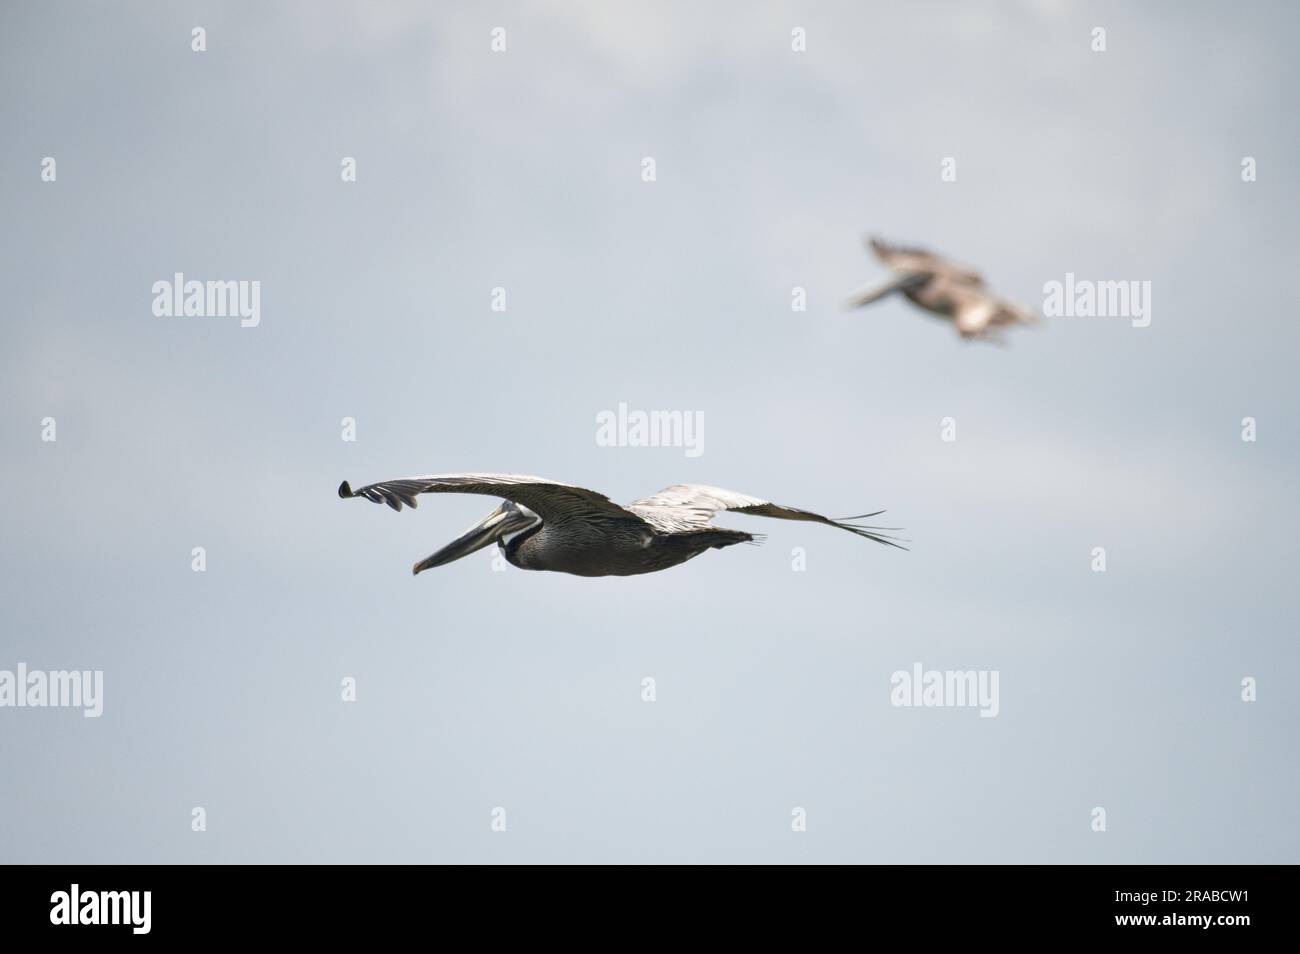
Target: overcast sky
(477,689)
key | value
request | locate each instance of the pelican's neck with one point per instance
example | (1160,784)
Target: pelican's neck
(511,543)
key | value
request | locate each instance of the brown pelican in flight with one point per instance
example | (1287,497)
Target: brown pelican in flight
(948,289)
(546,525)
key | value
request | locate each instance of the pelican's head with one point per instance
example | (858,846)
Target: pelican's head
(499,526)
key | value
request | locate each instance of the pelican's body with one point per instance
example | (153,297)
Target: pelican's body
(948,289)
(546,525)
(611,549)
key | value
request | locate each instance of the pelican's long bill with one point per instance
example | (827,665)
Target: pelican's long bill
(502,522)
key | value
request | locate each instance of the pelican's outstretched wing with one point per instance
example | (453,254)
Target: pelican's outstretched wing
(684,507)
(903,259)
(552,501)
(872,293)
